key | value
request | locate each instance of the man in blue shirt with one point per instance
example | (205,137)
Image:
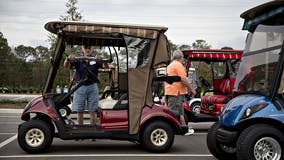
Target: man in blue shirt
(88,92)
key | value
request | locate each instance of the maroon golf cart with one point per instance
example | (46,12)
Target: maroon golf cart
(140,55)
(216,87)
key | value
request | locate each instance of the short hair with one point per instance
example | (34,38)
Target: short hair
(177,54)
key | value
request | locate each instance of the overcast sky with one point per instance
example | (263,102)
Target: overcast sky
(216,21)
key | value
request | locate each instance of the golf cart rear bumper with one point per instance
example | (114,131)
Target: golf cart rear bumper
(182,129)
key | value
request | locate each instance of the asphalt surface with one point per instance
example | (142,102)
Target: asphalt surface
(185,147)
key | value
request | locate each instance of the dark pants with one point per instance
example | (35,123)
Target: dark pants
(175,103)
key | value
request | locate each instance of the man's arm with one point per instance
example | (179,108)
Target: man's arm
(66,63)
(185,82)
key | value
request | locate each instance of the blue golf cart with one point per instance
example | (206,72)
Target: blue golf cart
(251,126)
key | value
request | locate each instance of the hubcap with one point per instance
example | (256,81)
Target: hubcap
(34,137)
(159,137)
(196,108)
(63,112)
(267,148)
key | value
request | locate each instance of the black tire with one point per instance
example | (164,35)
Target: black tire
(38,132)
(193,107)
(254,136)
(216,148)
(162,131)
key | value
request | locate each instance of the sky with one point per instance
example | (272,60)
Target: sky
(217,22)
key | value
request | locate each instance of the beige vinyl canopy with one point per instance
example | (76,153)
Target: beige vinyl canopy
(143,31)
(158,53)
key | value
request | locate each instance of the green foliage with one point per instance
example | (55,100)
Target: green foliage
(5,58)
(24,52)
(200,44)
(173,46)
(227,48)
(72,13)
(184,47)
(23,70)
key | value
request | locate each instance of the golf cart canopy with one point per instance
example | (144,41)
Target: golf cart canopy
(102,34)
(270,13)
(213,54)
(147,45)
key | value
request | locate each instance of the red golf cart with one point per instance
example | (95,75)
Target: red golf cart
(140,55)
(216,86)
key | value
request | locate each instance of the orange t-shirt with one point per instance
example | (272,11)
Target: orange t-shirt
(175,69)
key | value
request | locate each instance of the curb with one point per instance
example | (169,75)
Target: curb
(4,110)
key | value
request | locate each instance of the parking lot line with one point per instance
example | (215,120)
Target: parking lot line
(108,155)
(10,122)
(7,133)
(8,141)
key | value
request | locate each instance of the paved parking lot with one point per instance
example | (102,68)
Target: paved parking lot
(185,147)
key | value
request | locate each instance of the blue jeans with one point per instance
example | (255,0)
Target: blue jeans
(83,94)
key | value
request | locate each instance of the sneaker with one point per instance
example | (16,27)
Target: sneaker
(190,132)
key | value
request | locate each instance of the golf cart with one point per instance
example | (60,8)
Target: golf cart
(216,91)
(140,55)
(251,126)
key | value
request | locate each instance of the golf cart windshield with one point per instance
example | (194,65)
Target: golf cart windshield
(257,69)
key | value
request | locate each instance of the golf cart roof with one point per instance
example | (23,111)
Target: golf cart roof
(212,54)
(270,13)
(145,31)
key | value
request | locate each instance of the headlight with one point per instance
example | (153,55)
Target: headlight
(251,110)
(161,71)
(248,112)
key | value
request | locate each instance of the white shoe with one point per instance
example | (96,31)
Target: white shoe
(189,132)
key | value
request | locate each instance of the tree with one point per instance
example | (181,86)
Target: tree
(200,44)
(24,52)
(41,53)
(72,14)
(172,46)
(227,48)
(184,47)
(5,59)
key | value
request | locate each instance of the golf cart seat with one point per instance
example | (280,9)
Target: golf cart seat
(107,103)
(220,99)
(110,103)
(122,102)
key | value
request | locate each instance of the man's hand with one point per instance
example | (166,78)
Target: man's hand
(185,81)
(71,57)
(193,91)
(98,57)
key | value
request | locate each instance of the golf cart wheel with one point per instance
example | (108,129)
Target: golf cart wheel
(259,142)
(219,150)
(35,136)
(158,137)
(65,111)
(195,107)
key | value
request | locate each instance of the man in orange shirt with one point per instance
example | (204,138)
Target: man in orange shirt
(175,92)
